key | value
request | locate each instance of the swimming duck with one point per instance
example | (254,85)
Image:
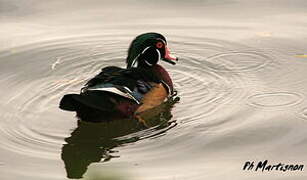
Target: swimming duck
(126,92)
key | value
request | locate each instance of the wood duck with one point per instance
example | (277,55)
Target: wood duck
(122,93)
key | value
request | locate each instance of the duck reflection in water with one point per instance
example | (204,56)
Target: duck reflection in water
(94,142)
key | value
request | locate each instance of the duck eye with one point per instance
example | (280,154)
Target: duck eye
(159,45)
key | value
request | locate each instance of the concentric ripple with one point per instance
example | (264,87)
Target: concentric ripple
(36,76)
(275,99)
(238,61)
(208,77)
(303,114)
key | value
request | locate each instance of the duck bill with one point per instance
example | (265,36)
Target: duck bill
(169,57)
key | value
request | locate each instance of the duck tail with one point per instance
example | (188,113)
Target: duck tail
(69,103)
(92,99)
(90,106)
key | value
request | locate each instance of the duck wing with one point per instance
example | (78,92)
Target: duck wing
(112,83)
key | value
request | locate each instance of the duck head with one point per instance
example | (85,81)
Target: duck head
(147,49)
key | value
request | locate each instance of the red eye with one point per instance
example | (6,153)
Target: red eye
(159,45)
